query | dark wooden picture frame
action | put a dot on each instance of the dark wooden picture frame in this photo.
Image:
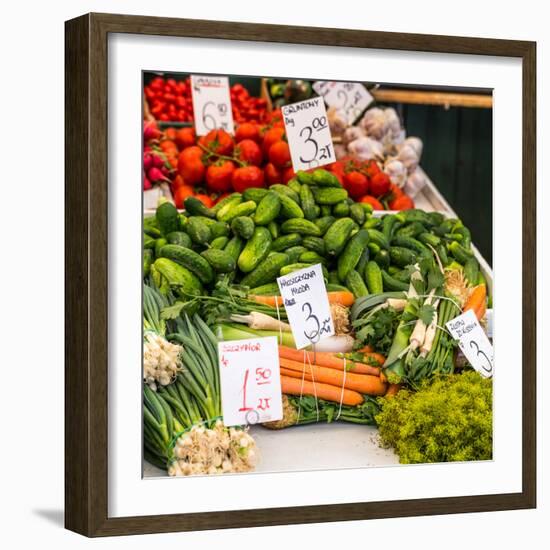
(86, 282)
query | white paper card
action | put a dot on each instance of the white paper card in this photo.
(307, 307)
(250, 381)
(211, 104)
(308, 134)
(350, 97)
(473, 342)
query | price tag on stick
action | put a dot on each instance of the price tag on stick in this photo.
(250, 381)
(308, 134)
(350, 97)
(211, 104)
(473, 342)
(307, 307)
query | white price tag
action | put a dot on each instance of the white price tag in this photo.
(350, 97)
(307, 307)
(250, 381)
(473, 342)
(211, 104)
(308, 134)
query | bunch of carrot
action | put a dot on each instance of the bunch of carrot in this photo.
(341, 297)
(330, 377)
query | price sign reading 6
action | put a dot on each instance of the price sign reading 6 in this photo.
(211, 104)
(308, 134)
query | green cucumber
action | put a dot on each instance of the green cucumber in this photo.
(295, 185)
(365, 256)
(196, 207)
(305, 177)
(286, 191)
(316, 244)
(324, 223)
(402, 257)
(372, 223)
(373, 278)
(181, 280)
(294, 252)
(243, 226)
(329, 195)
(220, 260)
(308, 203)
(255, 250)
(382, 258)
(286, 241)
(471, 271)
(411, 230)
(268, 209)
(198, 231)
(337, 236)
(269, 289)
(324, 210)
(267, 271)
(324, 178)
(230, 203)
(357, 214)
(412, 244)
(243, 209)
(311, 257)
(219, 242)
(255, 194)
(159, 243)
(179, 237)
(429, 239)
(391, 283)
(461, 254)
(289, 208)
(301, 226)
(226, 200)
(356, 285)
(340, 210)
(148, 242)
(273, 229)
(234, 247)
(189, 259)
(147, 261)
(167, 218)
(353, 250)
(377, 237)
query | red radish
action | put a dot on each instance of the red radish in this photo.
(158, 161)
(147, 161)
(146, 183)
(150, 131)
(154, 174)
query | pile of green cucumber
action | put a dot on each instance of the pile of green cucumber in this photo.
(254, 237)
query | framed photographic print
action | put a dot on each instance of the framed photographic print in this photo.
(294, 259)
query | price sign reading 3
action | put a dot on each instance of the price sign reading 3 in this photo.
(308, 134)
(211, 104)
(306, 303)
(473, 342)
(350, 97)
(250, 381)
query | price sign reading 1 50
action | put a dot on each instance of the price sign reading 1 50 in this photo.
(308, 134)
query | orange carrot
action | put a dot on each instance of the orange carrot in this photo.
(325, 359)
(340, 297)
(477, 301)
(363, 383)
(366, 349)
(295, 386)
(392, 390)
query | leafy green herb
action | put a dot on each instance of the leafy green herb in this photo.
(378, 330)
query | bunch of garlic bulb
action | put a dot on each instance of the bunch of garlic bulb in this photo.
(217, 450)
(415, 181)
(366, 148)
(397, 171)
(337, 121)
(161, 360)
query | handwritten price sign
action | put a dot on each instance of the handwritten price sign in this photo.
(350, 97)
(211, 104)
(306, 303)
(473, 342)
(308, 134)
(250, 381)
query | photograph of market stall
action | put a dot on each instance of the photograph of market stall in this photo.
(311, 298)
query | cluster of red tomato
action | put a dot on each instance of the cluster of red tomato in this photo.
(366, 182)
(213, 165)
(170, 100)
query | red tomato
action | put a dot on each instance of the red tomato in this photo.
(272, 174)
(247, 176)
(356, 184)
(218, 141)
(190, 165)
(181, 194)
(396, 191)
(218, 176)
(380, 184)
(288, 174)
(270, 137)
(185, 137)
(205, 199)
(371, 167)
(248, 151)
(279, 154)
(170, 133)
(402, 203)
(168, 146)
(376, 204)
(247, 130)
(177, 182)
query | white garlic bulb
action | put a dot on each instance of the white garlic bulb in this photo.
(366, 148)
(415, 182)
(396, 171)
(374, 123)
